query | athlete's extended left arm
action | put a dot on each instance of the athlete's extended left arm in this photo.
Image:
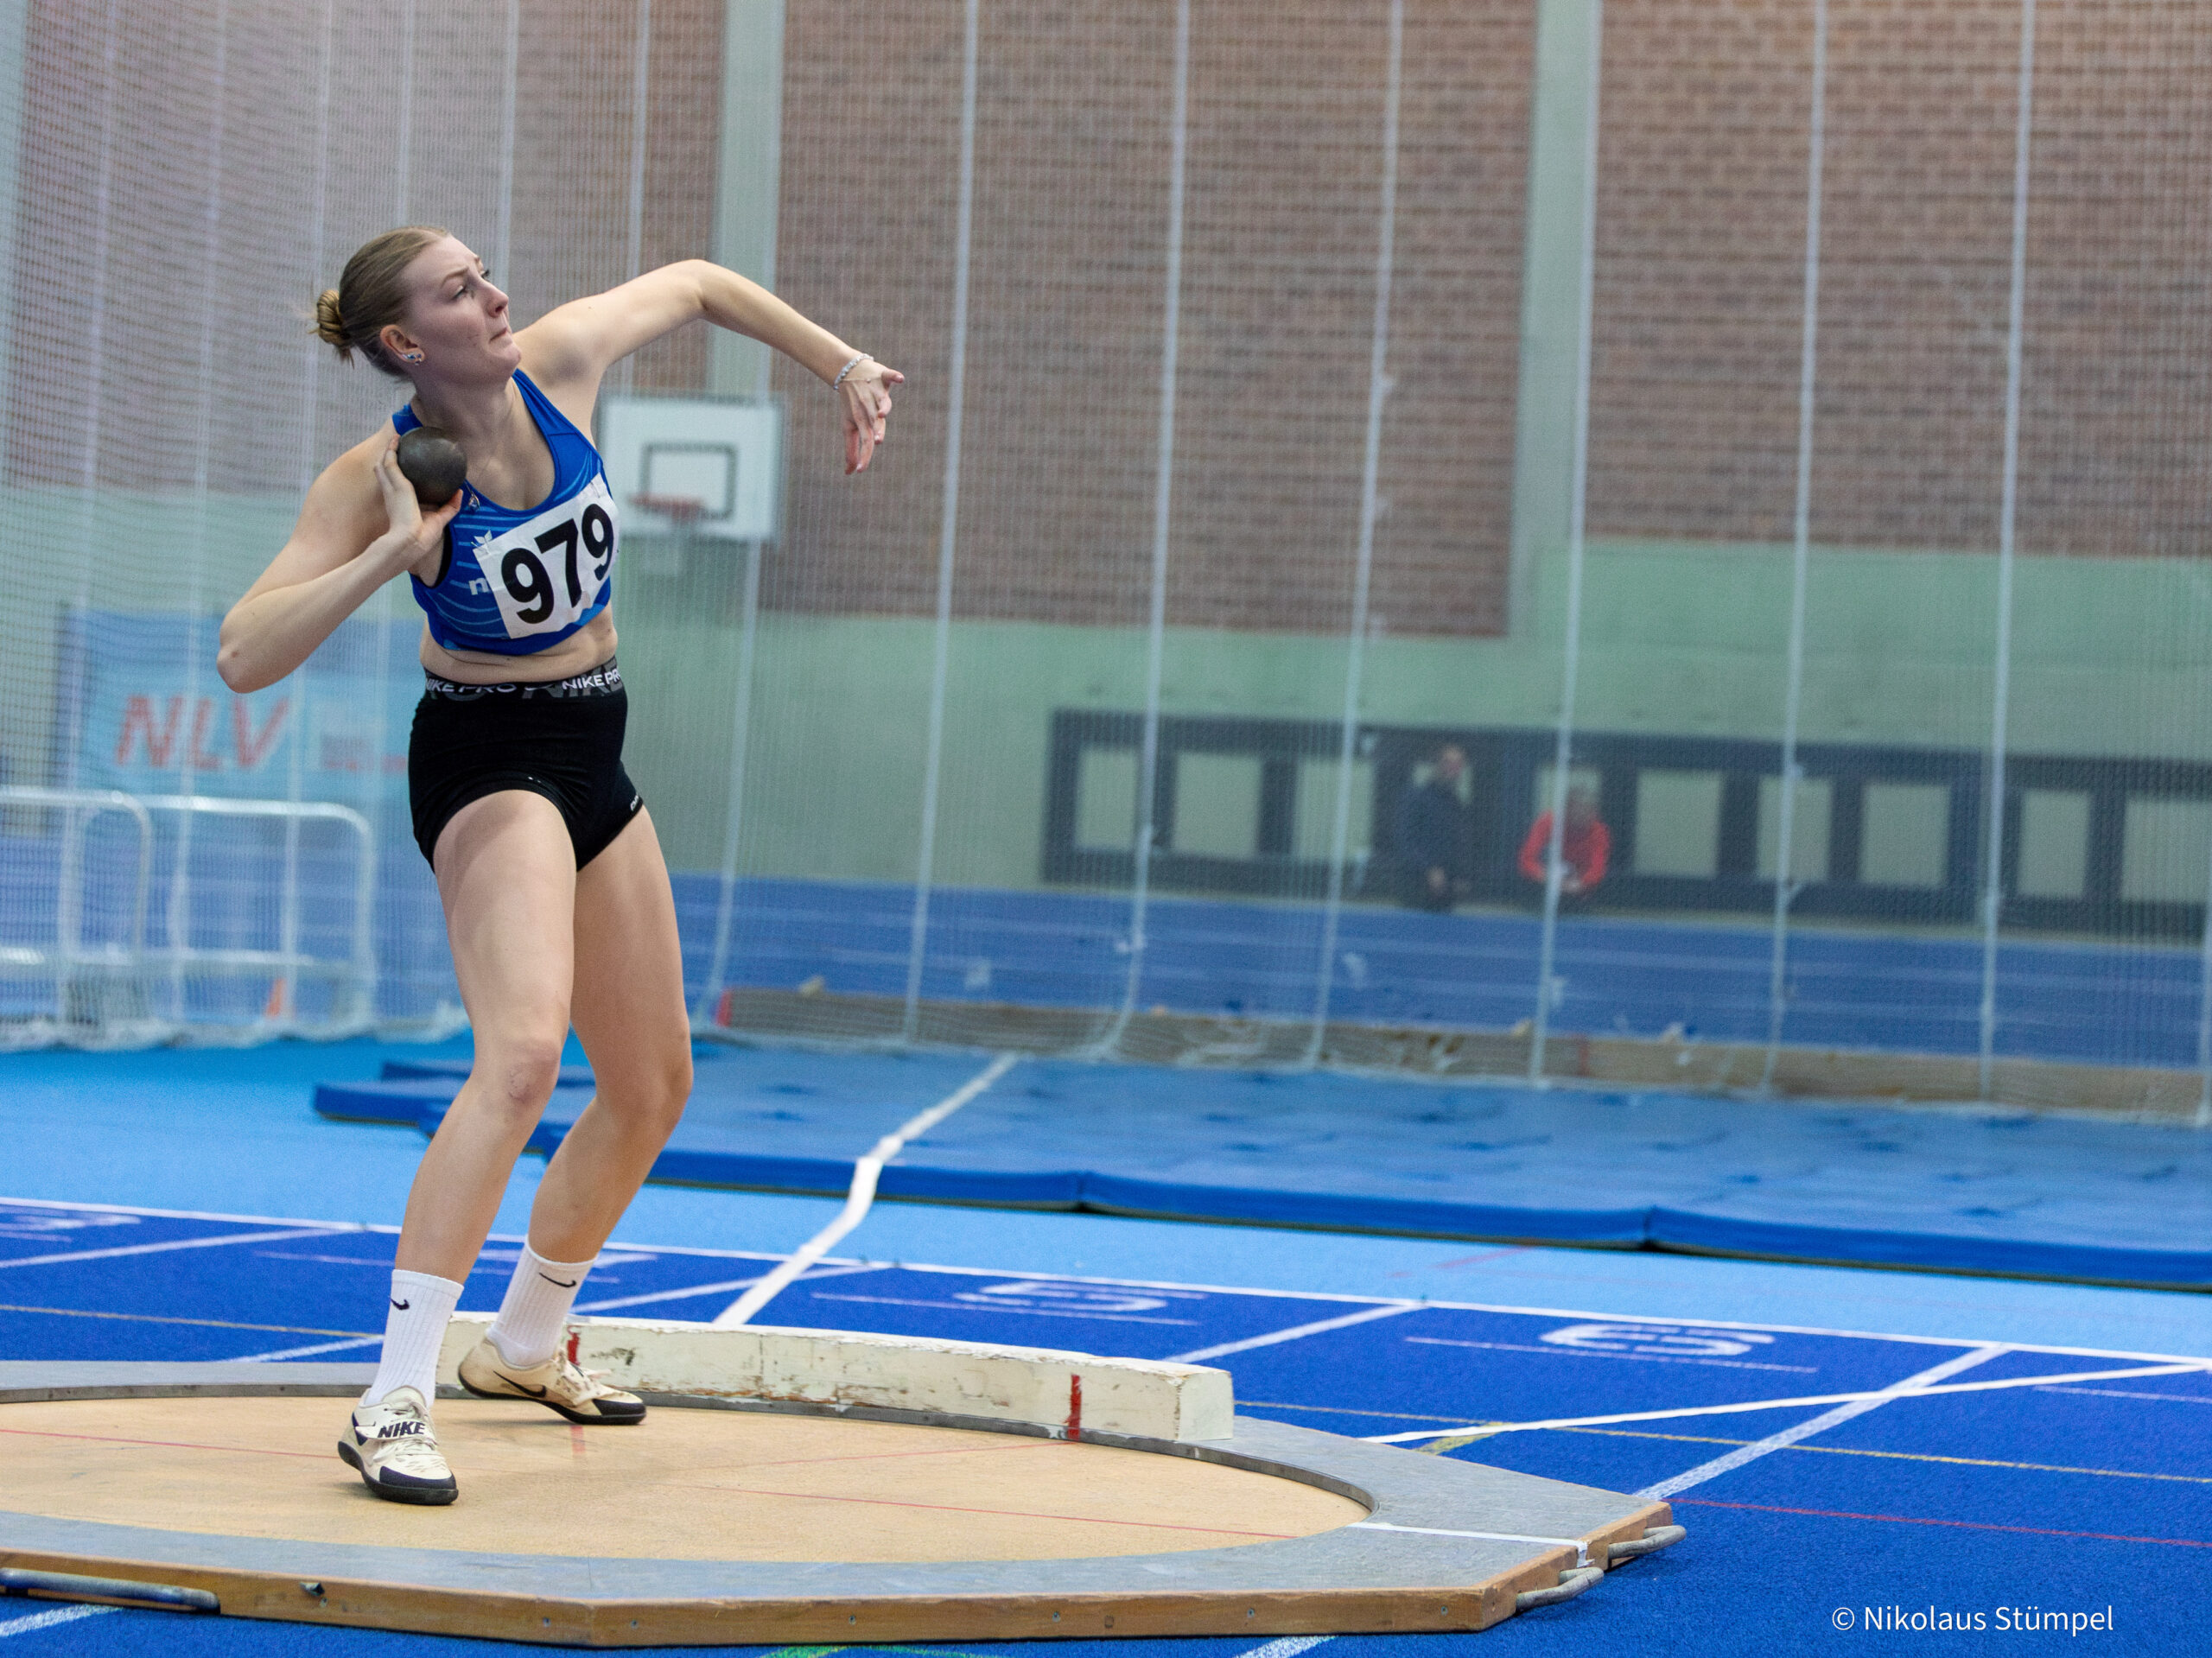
(578, 342)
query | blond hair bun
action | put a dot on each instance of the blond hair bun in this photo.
(330, 324)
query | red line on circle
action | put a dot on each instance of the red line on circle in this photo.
(1010, 1514)
(172, 1445)
(1022, 1444)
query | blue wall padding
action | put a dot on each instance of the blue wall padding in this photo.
(391, 1100)
(1972, 1191)
(2041, 1257)
(456, 1071)
(2109, 1003)
(1360, 1212)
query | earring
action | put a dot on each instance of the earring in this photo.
(413, 356)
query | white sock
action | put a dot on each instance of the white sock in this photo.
(533, 1316)
(414, 1329)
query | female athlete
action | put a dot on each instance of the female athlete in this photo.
(557, 900)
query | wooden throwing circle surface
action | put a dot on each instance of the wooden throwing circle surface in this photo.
(687, 1485)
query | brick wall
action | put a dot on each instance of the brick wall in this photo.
(1065, 348)
(1701, 266)
(1699, 309)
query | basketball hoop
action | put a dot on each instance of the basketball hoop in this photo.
(682, 510)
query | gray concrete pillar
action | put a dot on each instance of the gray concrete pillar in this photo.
(752, 169)
(1551, 314)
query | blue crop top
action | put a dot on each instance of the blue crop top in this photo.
(517, 582)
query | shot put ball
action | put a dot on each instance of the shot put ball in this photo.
(433, 464)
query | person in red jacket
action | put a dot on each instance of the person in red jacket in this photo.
(1584, 848)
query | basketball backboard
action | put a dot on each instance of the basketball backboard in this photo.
(664, 454)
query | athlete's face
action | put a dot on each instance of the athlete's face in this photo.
(455, 317)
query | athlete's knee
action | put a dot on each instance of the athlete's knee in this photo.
(672, 1087)
(652, 1094)
(678, 1083)
(518, 1072)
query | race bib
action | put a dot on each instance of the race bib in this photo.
(547, 574)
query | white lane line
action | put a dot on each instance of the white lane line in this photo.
(1581, 1549)
(39, 1621)
(586, 1307)
(163, 1249)
(1729, 1462)
(2129, 1393)
(862, 1195)
(1632, 1359)
(1366, 1315)
(1289, 1647)
(141, 1210)
(306, 1352)
(2196, 1367)
(615, 1302)
(1002, 1308)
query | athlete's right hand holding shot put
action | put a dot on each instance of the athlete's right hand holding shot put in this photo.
(556, 900)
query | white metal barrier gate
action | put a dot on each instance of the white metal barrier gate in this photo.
(95, 982)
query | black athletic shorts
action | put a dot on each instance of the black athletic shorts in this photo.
(561, 739)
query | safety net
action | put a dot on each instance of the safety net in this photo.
(1648, 542)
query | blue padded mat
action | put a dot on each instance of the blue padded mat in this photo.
(456, 1071)
(1972, 1191)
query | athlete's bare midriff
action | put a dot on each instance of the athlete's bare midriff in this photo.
(581, 652)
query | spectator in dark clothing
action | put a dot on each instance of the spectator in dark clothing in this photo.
(1432, 836)
(1584, 848)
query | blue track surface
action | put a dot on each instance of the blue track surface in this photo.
(2084, 1485)
(2066, 1497)
(1962, 1191)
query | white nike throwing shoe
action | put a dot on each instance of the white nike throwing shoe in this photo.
(556, 1383)
(392, 1446)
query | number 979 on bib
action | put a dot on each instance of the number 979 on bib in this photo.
(549, 572)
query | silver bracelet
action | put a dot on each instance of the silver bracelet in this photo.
(848, 369)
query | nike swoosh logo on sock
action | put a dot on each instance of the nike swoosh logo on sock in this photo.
(564, 1283)
(403, 1305)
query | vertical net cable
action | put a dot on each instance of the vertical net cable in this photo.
(383, 628)
(181, 883)
(311, 351)
(96, 356)
(1785, 876)
(2203, 1118)
(72, 873)
(1578, 510)
(640, 113)
(402, 176)
(1378, 390)
(1147, 829)
(502, 225)
(717, 975)
(948, 527)
(1992, 901)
